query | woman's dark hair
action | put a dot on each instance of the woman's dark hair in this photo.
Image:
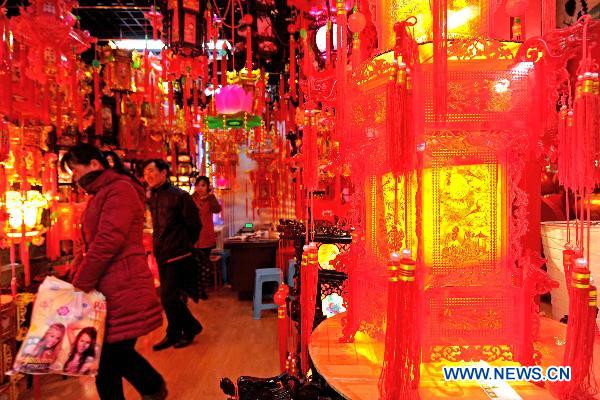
(115, 162)
(204, 179)
(89, 352)
(83, 154)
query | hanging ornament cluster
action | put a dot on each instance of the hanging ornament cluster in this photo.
(41, 73)
(183, 20)
(579, 172)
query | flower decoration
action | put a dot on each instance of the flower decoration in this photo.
(233, 99)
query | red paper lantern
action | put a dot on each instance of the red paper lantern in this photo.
(357, 22)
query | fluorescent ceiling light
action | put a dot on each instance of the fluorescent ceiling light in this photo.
(137, 44)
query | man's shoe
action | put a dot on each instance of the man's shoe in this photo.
(197, 330)
(164, 344)
(183, 342)
(160, 395)
(188, 339)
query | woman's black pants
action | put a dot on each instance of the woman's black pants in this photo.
(120, 360)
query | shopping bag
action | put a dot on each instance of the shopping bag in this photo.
(66, 331)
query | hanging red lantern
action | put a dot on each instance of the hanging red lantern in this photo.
(184, 21)
(357, 22)
(156, 21)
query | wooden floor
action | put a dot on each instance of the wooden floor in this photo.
(232, 344)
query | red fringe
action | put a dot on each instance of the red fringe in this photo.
(224, 70)
(309, 276)
(24, 251)
(282, 323)
(146, 74)
(292, 82)
(171, 101)
(581, 331)
(401, 365)
(440, 59)
(249, 51)
(579, 141)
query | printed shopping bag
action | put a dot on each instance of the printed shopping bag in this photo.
(66, 331)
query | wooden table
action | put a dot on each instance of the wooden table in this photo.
(247, 256)
(353, 369)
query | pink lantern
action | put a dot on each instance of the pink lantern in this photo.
(233, 99)
(222, 182)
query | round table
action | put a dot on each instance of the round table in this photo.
(353, 369)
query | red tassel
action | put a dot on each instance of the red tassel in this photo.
(46, 103)
(578, 132)
(118, 101)
(97, 102)
(309, 152)
(3, 43)
(203, 90)
(108, 74)
(186, 97)
(282, 323)
(440, 59)
(152, 82)
(204, 79)
(13, 264)
(173, 160)
(249, 50)
(215, 65)
(146, 74)
(171, 112)
(581, 330)
(309, 277)
(195, 99)
(58, 113)
(24, 251)
(224, 69)
(292, 83)
(401, 365)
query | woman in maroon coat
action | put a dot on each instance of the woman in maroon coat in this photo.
(114, 263)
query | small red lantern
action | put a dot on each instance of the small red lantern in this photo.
(357, 22)
(183, 26)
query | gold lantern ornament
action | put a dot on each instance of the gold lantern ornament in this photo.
(24, 216)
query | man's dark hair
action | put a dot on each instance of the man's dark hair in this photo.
(159, 163)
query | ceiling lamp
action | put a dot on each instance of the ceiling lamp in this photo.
(137, 44)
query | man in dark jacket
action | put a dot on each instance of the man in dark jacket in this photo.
(176, 227)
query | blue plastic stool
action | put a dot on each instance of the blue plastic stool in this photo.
(224, 253)
(264, 275)
(291, 271)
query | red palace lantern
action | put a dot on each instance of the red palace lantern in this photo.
(183, 25)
